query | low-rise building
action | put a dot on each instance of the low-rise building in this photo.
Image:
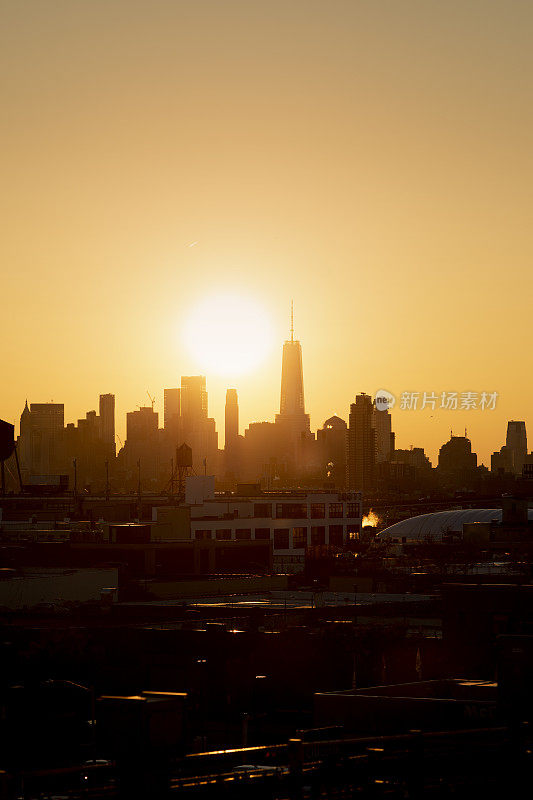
(292, 521)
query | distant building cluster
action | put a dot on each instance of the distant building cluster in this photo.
(358, 455)
(46, 447)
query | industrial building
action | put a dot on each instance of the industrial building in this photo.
(291, 520)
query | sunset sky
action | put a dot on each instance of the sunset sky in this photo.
(370, 160)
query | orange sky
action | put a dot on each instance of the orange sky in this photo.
(371, 160)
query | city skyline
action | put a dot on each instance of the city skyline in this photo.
(400, 409)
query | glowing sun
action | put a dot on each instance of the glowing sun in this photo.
(228, 334)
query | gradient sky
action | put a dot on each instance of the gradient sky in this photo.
(371, 160)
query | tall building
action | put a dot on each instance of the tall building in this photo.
(141, 425)
(292, 422)
(142, 448)
(48, 417)
(292, 404)
(196, 429)
(172, 408)
(24, 445)
(193, 398)
(516, 436)
(41, 438)
(263, 454)
(415, 457)
(231, 433)
(85, 444)
(361, 444)
(456, 457)
(511, 457)
(332, 444)
(231, 419)
(107, 422)
(382, 424)
(516, 442)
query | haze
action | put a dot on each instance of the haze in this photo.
(370, 160)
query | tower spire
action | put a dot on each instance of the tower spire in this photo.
(292, 321)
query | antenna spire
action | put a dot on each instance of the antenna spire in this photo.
(292, 321)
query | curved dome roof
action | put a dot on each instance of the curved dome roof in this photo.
(334, 422)
(434, 526)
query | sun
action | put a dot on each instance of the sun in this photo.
(228, 334)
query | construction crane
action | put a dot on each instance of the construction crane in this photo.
(151, 398)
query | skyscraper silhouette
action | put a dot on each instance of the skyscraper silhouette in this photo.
(193, 397)
(107, 423)
(171, 409)
(41, 432)
(332, 442)
(197, 430)
(361, 444)
(456, 456)
(516, 442)
(382, 424)
(231, 430)
(292, 405)
(510, 458)
(292, 426)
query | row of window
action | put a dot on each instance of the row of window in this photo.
(299, 510)
(282, 535)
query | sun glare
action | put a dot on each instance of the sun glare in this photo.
(228, 334)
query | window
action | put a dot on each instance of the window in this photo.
(352, 510)
(291, 511)
(352, 533)
(335, 510)
(223, 533)
(281, 539)
(318, 535)
(262, 533)
(318, 510)
(299, 537)
(243, 533)
(263, 510)
(202, 535)
(335, 535)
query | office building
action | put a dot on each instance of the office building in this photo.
(107, 423)
(172, 407)
(141, 425)
(292, 405)
(332, 444)
(172, 419)
(40, 442)
(292, 423)
(292, 521)
(141, 454)
(516, 439)
(362, 444)
(196, 429)
(382, 424)
(193, 400)
(456, 457)
(231, 433)
(231, 419)
(512, 456)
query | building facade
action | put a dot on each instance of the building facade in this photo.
(292, 521)
(361, 444)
